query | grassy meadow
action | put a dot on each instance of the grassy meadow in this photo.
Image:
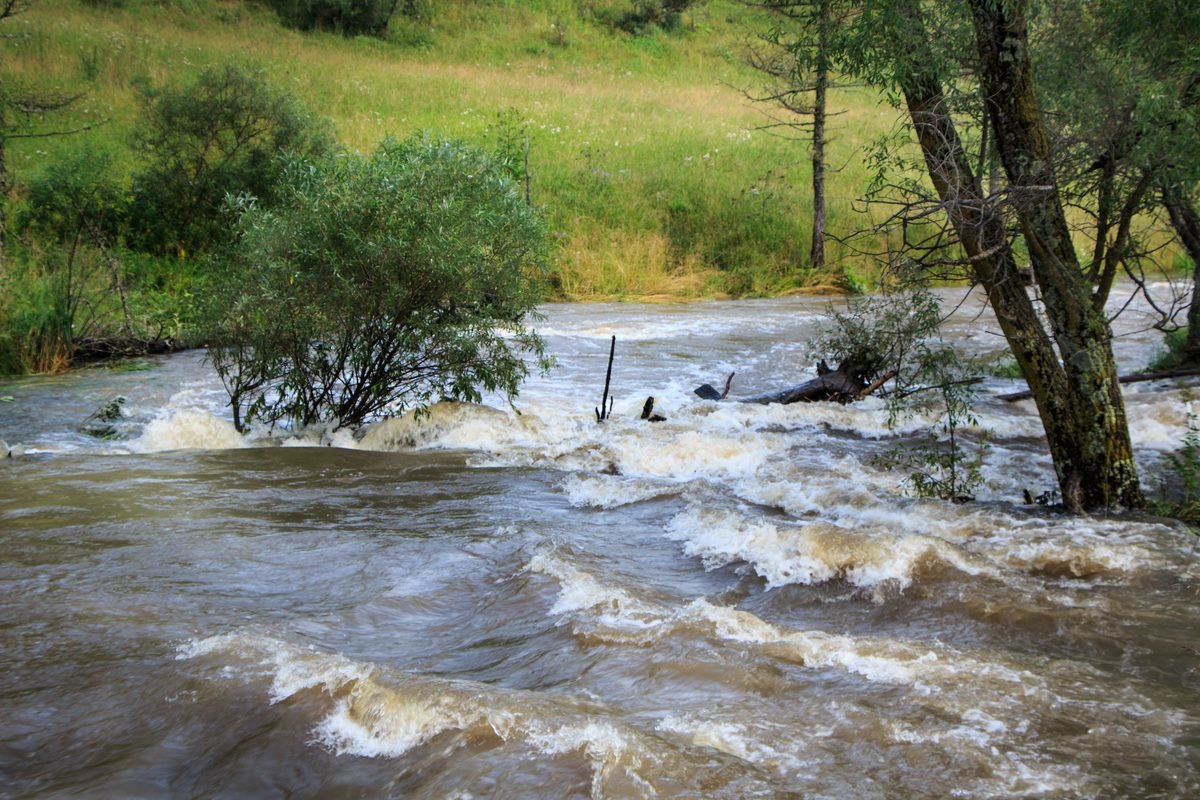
(653, 168)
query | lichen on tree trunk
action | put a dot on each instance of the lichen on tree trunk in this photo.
(1069, 368)
(1095, 464)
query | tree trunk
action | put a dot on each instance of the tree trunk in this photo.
(816, 253)
(983, 236)
(1187, 226)
(1096, 470)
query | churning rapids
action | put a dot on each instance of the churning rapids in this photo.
(484, 604)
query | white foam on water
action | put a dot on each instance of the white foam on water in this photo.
(603, 491)
(580, 591)
(291, 669)
(188, 429)
(1080, 557)
(877, 660)
(448, 425)
(320, 436)
(786, 553)
(601, 740)
(1112, 549)
(1159, 420)
(378, 715)
(625, 616)
(733, 738)
(384, 722)
(371, 719)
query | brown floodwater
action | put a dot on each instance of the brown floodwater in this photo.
(737, 602)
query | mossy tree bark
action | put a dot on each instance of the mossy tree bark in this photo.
(1069, 368)
(1090, 441)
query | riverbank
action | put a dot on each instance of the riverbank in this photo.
(653, 168)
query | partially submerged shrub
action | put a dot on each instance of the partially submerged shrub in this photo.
(377, 284)
(1176, 354)
(1179, 481)
(877, 334)
(898, 333)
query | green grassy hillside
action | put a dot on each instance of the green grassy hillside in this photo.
(651, 165)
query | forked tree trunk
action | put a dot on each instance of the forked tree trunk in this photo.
(1095, 456)
(1084, 483)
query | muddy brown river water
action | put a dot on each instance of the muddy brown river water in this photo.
(733, 603)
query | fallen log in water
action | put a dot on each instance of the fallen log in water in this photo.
(843, 385)
(1137, 377)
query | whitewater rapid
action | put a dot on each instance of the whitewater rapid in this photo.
(518, 601)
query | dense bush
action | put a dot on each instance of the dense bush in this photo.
(377, 284)
(79, 196)
(221, 135)
(665, 14)
(74, 215)
(348, 17)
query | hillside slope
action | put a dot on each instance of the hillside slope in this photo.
(649, 161)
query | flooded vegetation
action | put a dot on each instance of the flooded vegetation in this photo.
(735, 602)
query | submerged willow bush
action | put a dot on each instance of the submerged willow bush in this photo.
(377, 284)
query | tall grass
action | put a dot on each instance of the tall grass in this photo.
(650, 163)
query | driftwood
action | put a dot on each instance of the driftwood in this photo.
(878, 382)
(1137, 377)
(605, 409)
(102, 348)
(648, 411)
(843, 385)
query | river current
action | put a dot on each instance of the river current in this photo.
(519, 602)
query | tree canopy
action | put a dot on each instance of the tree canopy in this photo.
(377, 284)
(221, 134)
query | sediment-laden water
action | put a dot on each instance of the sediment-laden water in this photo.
(736, 602)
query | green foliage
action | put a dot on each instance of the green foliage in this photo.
(34, 332)
(378, 284)
(665, 14)
(945, 466)
(510, 140)
(897, 332)
(103, 421)
(347, 17)
(76, 208)
(652, 105)
(1176, 354)
(1179, 483)
(220, 135)
(881, 333)
(79, 196)
(1005, 366)
(851, 282)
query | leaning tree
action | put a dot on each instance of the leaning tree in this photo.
(942, 62)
